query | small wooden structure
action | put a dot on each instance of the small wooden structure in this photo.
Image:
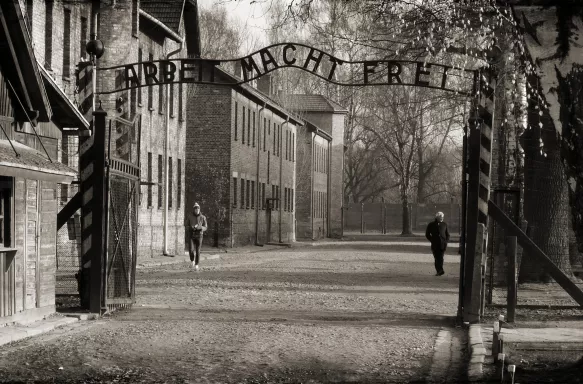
(29, 174)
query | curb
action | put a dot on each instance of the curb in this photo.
(478, 353)
(16, 333)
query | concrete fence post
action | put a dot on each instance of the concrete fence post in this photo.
(511, 246)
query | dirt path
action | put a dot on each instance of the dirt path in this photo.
(327, 315)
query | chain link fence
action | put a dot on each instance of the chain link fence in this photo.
(68, 251)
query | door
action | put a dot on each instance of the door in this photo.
(32, 244)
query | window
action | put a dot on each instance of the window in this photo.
(135, 18)
(234, 192)
(180, 113)
(150, 179)
(280, 140)
(236, 119)
(67, 44)
(243, 127)
(253, 128)
(292, 200)
(249, 127)
(242, 193)
(140, 58)
(161, 108)
(179, 186)
(264, 133)
(150, 88)
(171, 106)
(277, 189)
(29, 16)
(273, 195)
(293, 150)
(83, 50)
(262, 195)
(160, 181)
(252, 194)
(5, 210)
(247, 200)
(286, 144)
(274, 138)
(170, 182)
(285, 199)
(48, 34)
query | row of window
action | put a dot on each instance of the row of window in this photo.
(249, 137)
(244, 195)
(161, 182)
(319, 207)
(136, 93)
(320, 158)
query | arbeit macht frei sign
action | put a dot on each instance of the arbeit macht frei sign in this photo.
(292, 55)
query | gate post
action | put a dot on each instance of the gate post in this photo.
(92, 174)
(479, 166)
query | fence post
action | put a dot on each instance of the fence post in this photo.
(361, 217)
(511, 242)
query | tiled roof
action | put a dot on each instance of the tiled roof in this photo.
(311, 103)
(168, 12)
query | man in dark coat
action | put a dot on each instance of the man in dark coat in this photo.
(438, 235)
(196, 226)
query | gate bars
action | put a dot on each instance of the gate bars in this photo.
(109, 187)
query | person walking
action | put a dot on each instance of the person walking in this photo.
(196, 226)
(438, 236)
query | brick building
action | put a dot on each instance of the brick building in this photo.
(241, 164)
(132, 31)
(320, 165)
(34, 115)
(147, 30)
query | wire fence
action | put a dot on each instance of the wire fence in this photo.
(68, 250)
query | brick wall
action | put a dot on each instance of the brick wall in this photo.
(221, 148)
(207, 160)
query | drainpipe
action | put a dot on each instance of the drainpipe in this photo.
(313, 140)
(281, 175)
(166, 150)
(257, 190)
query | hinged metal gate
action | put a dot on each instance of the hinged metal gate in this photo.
(123, 180)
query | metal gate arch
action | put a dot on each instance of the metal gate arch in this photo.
(109, 199)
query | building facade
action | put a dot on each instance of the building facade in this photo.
(35, 112)
(148, 122)
(241, 164)
(320, 165)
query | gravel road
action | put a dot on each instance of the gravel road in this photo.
(334, 314)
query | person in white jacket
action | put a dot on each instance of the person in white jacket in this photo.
(196, 226)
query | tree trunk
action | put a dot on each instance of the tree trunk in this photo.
(407, 230)
(545, 196)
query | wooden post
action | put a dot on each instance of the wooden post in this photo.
(512, 277)
(479, 167)
(383, 215)
(94, 202)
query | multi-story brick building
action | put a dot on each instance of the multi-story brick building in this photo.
(320, 165)
(150, 121)
(241, 164)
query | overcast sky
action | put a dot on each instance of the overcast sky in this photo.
(250, 12)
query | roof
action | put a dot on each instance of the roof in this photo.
(65, 113)
(32, 164)
(19, 64)
(168, 12)
(312, 103)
